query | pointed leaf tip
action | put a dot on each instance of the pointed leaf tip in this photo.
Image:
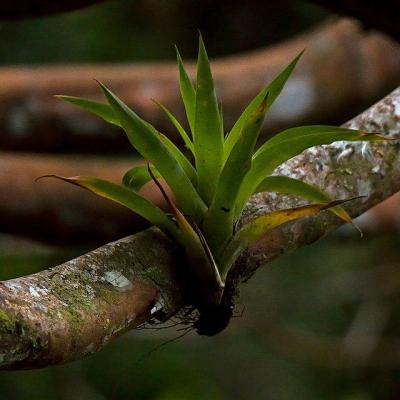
(102, 110)
(126, 198)
(199, 34)
(178, 55)
(185, 137)
(188, 93)
(274, 88)
(208, 138)
(202, 46)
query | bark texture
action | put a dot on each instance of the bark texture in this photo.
(74, 309)
(369, 65)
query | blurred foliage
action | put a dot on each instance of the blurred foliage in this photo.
(318, 289)
(125, 30)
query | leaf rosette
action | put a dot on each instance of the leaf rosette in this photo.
(221, 172)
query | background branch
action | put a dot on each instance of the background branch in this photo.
(371, 63)
(31, 119)
(371, 14)
(74, 309)
(71, 215)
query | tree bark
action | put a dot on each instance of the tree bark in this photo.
(74, 309)
(369, 65)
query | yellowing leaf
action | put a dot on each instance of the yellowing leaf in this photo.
(258, 227)
(199, 255)
(284, 184)
(288, 144)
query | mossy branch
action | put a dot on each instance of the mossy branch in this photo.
(74, 309)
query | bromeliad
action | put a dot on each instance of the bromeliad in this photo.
(211, 192)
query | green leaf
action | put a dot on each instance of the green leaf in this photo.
(273, 90)
(208, 136)
(178, 126)
(127, 198)
(188, 92)
(106, 112)
(288, 144)
(100, 109)
(150, 144)
(218, 224)
(138, 176)
(221, 117)
(258, 227)
(284, 184)
(181, 158)
(200, 258)
(310, 132)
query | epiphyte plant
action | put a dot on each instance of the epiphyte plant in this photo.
(211, 191)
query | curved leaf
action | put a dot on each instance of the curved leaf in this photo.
(152, 146)
(197, 251)
(178, 126)
(125, 197)
(102, 110)
(258, 227)
(284, 184)
(313, 132)
(181, 158)
(138, 176)
(106, 112)
(273, 89)
(288, 144)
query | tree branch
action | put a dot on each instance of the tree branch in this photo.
(369, 63)
(74, 309)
